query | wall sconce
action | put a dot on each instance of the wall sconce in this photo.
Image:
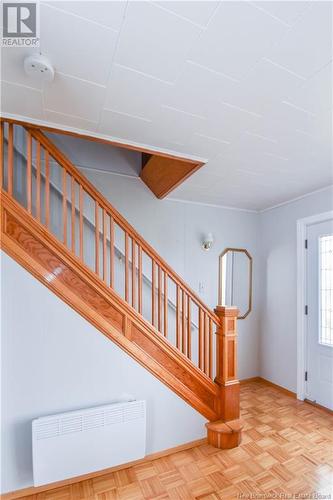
(207, 242)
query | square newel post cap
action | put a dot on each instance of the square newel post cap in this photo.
(227, 311)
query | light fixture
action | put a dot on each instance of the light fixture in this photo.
(39, 67)
(207, 242)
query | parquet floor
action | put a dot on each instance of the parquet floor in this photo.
(286, 452)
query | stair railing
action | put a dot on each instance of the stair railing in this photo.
(75, 193)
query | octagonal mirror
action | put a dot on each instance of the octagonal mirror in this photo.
(235, 280)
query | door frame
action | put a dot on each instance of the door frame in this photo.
(302, 225)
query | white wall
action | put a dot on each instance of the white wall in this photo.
(53, 360)
(278, 298)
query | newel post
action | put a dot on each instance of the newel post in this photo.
(226, 432)
(226, 362)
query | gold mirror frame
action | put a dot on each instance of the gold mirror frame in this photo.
(240, 250)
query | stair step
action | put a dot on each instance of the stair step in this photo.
(224, 435)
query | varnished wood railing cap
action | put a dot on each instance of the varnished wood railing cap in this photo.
(226, 311)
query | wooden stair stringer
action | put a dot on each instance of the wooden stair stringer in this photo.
(48, 260)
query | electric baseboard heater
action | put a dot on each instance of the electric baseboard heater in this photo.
(79, 442)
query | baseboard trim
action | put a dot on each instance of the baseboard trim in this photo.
(318, 406)
(248, 380)
(31, 490)
(270, 384)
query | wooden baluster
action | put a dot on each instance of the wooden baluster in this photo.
(140, 278)
(184, 322)
(111, 252)
(81, 220)
(10, 169)
(104, 246)
(133, 273)
(97, 238)
(159, 305)
(153, 286)
(47, 189)
(29, 170)
(200, 339)
(1, 156)
(165, 330)
(206, 344)
(64, 203)
(126, 267)
(177, 318)
(189, 330)
(210, 372)
(38, 183)
(73, 215)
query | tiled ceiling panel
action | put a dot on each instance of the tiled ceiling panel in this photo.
(155, 41)
(236, 38)
(245, 86)
(110, 14)
(77, 46)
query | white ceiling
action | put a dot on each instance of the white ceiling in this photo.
(245, 85)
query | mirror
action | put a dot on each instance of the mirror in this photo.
(235, 282)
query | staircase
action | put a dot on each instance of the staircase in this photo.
(64, 232)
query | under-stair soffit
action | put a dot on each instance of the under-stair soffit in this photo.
(245, 85)
(161, 172)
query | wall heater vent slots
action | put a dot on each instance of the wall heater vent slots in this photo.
(75, 443)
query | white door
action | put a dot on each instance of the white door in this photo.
(319, 310)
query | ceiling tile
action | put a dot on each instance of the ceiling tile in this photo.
(238, 35)
(308, 46)
(12, 69)
(76, 46)
(132, 92)
(174, 125)
(227, 123)
(110, 13)
(196, 90)
(287, 12)
(158, 44)
(262, 88)
(197, 12)
(69, 120)
(130, 128)
(21, 101)
(74, 97)
(314, 95)
(206, 146)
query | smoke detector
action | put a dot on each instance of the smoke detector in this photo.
(39, 67)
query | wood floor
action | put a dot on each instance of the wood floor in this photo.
(287, 450)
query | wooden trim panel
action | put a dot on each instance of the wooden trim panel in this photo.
(49, 261)
(162, 175)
